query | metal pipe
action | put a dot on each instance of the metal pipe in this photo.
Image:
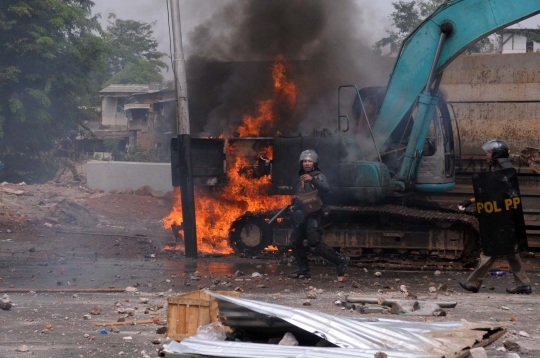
(278, 214)
(184, 140)
(435, 61)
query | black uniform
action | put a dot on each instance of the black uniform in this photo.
(311, 228)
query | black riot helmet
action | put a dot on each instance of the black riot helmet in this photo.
(498, 148)
(72, 134)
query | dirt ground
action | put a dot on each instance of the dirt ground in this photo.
(70, 238)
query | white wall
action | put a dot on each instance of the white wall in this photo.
(109, 176)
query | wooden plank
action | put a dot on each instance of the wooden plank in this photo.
(188, 301)
(182, 325)
(102, 324)
(23, 290)
(192, 319)
(172, 320)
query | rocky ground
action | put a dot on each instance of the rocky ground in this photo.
(70, 239)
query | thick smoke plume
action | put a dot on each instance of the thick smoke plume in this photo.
(230, 68)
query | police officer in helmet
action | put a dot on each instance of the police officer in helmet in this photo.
(497, 153)
(309, 209)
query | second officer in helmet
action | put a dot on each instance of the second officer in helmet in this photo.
(309, 209)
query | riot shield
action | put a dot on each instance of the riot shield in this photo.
(500, 213)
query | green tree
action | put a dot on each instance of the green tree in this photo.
(407, 16)
(140, 71)
(130, 41)
(48, 49)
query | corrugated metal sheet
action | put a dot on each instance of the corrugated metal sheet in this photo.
(194, 345)
(359, 337)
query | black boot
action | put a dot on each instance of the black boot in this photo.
(300, 255)
(303, 272)
(328, 253)
(342, 266)
(525, 290)
(469, 287)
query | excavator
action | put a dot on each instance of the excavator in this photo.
(395, 150)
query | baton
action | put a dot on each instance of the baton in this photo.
(278, 214)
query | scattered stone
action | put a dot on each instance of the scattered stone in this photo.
(311, 294)
(262, 286)
(437, 273)
(86, 335)
(121, 310)
(256, 274)
(239, 289)
(380, 355)
(114, 329)
(127, 339)
(96, 310)
(524, 334)
(403, 288)
(239, 273)
(378, 274)
(21, 349)
(144, 300)
(355, 284)
(161, 330)
(306, 303)
(75, 296)
(432, 290)
(439, 312)
(288, 340)
(511, 346)
(277, 296)
(512, 355)
(365, 270)
(131, 289)
(442, 288)
(87, 317)
(479, 352)
(157, 341)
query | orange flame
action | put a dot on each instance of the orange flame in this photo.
(269, 111)
(216, 208)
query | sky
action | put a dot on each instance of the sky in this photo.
(374, 21)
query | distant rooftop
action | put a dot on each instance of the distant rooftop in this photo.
(125, 89)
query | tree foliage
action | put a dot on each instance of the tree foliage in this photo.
(407, 16)
(139, 71)
(132, 42)
(49, 48)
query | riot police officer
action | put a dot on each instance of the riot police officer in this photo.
(497, 152)
(309, 209)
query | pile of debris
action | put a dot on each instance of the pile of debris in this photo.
(250, 328)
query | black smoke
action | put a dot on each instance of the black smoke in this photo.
(232, 53)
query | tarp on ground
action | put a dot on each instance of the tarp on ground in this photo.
(353, 337)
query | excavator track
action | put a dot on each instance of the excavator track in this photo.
(388, 236)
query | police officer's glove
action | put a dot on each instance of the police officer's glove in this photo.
(464, 204)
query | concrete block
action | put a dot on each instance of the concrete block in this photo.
(109, 176)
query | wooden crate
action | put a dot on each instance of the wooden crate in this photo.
(190, 310)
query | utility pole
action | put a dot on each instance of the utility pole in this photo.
(183, 132)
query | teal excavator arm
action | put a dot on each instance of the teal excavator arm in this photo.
(449, 31)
